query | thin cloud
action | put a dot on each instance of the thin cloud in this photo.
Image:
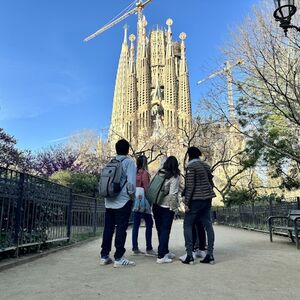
(59, 139)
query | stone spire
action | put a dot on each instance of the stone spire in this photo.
(140, 40)
(144, 85)
(184, 98)
(170, 89)
(119, 102)
(131, 104)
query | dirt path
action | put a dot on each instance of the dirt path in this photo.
(247, 266)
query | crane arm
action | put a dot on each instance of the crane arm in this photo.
(111, 24)
(227, 70)
(211, 76)
(139, 6)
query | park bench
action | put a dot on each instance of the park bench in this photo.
(290, 223)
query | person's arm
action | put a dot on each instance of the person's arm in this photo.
(189, 185)
(131, 178)
(173, 193)
(174, 186)
(209, 175)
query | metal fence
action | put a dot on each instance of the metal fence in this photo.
(34, 211)
(255, 216)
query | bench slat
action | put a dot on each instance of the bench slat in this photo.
(283, 227)
(294, 212)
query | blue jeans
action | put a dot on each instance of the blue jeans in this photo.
(163, 220)
(137, 216)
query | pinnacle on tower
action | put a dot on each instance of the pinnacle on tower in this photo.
(169, 40)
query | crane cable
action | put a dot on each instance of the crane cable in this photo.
(119, 14)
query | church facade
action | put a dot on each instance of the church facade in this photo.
(152, 92)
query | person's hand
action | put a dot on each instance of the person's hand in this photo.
(131, 196)
(186, 209)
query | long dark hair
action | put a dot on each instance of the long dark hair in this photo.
(141, 162)
(171, 167)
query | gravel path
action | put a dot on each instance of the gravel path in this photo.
(247, 266)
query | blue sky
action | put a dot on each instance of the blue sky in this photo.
(52, 84)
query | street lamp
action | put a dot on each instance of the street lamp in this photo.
(284, 10)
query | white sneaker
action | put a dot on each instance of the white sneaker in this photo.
(123, 262)
(183, 257)
(164, 260)
(200, 253)
(105, 261)
(171, 255)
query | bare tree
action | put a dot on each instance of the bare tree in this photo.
(224, 149)
(268, 87)
(92, 151)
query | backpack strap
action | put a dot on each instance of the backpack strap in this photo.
(121, 161)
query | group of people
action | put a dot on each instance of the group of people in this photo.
(197, 194)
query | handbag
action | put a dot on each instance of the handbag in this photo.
(140, 202)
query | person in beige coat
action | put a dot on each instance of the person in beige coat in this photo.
(164, 212)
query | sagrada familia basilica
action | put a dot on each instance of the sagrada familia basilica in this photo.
(152, 92)
(152, 99)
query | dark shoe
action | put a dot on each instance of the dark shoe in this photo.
(208, 259)
(137, 252)
(151, 253)
(188, 261)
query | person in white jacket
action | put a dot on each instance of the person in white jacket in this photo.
(164, 212)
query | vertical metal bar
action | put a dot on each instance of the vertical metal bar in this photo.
(296, 234)
(270, 206)
(70, 215)
(298, 202)
(95, 217)
(18, 212)
(253, 214)
(240, 215)
(270, 229)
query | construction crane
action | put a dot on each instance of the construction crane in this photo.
(139, 6)
(228, 72)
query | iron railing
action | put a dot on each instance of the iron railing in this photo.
(34, 211)
(255, 215)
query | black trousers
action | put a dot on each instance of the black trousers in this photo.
(199, 236)
(115, 219)
(163, 221)
(200, 210)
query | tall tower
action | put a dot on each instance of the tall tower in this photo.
(171, 90)
(119, 103)
(144, 85)
(152, 92)
(131, 101)
(184, 98)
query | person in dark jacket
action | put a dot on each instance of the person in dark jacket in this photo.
(198, 199)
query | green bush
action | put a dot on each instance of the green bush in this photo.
(239, 197)
(80, 183)
(244, 196)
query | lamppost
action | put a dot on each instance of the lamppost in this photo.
(284, 10)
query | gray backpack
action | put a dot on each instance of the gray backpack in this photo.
(109, 183)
